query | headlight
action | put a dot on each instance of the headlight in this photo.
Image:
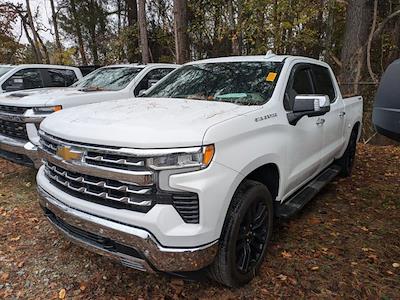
(199, 157)
(47, 109)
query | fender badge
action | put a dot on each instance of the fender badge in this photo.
(266, 117)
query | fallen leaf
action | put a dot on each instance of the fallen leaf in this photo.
(5, 276)
(62, 293)
(82, 286)
(286, 254)
(14, 239)
(282, 277)
(20, 264)
(314, 221)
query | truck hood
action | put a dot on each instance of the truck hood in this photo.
(142, 122)
(46, 97)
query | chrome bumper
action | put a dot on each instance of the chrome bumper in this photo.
(14, 150)
(151, 255)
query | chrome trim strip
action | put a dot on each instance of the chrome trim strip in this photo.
(119, 161)
(20, 118)
(103, 184)
(140, 178)
(85, 190)
(162, 258)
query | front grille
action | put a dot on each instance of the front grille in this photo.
(114, 193)
(105, 191)
(13, 129)
(13, 109)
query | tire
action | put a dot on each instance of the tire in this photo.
(346, 162)
(245, 235)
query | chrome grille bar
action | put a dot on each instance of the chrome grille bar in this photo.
(62, 177)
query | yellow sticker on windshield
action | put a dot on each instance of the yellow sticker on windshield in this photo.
(271, 76)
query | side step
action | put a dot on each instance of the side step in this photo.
(296, 202)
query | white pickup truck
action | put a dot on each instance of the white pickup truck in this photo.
(191, 176)
(34, 76)
(21, 112)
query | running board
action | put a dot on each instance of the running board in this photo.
(296, 202)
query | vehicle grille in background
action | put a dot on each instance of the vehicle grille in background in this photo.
(103, 191)
(13, 109)
(13, 129)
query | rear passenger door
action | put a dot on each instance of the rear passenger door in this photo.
(151, 78)
(334, 120)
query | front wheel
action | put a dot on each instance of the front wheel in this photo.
(245, 235)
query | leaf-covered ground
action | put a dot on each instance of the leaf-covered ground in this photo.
(345, 244)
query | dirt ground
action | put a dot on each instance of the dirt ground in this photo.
(345, 244)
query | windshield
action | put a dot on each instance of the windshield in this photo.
(246, 83)
(108, 79)
(4, 70)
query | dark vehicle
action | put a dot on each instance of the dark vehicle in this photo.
(386, 114)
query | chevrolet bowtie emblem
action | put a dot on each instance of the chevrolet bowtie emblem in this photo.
(67, 154)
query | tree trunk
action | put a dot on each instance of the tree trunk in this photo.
(232, 26)
(180, 28)
(144, 42)
(30, 40)
(353, 56)
(34, 32)
(55, 25)
(132, 43)
(92, 7)
(78, 32)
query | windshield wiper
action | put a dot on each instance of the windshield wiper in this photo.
(92, 89)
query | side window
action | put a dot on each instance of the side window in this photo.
(323, 82)
(60, 77)
(300, 83)
(151, 78)
(24, 79)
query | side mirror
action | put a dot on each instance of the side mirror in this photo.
(152, 82)
(309, 105)
(142, 93)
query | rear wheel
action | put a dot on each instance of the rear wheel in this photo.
(246, 232)
(346, 162)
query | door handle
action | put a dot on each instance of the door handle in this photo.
(342, 114)
(320, 122)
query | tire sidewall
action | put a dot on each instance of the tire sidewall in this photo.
(255, 193)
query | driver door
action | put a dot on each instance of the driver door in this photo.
(306, 137)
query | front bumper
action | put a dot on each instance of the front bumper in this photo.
(19, 151)
(133, 247)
